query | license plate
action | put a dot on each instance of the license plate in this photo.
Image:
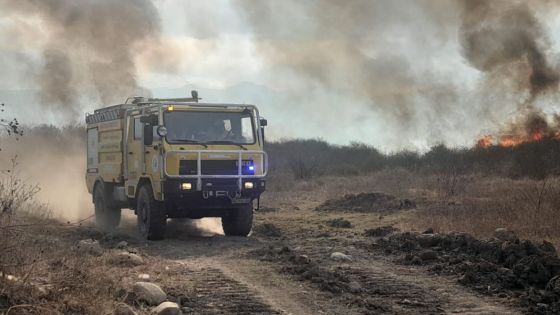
(240, 200)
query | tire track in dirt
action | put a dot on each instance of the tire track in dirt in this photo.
(209, 291)
(224, 275)
(247, 287)
(454, 298)
(377, 286)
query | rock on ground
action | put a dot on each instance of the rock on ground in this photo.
(427, 255)
(167, 308)
(338, 256)
(268, 229)
(126, 259)
(144, 276)
(380, 231)
(504, 234)
(149, 293)
(91, 247)
(339, 223)
(124, 309)
(121, 245)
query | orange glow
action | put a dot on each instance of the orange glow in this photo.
(509, 141)
(485, 142)
(536, 136)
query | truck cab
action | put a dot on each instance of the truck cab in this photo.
(176, 158)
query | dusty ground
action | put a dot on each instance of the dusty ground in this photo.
(285, 266)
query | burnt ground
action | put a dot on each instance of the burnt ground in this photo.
(287, 266)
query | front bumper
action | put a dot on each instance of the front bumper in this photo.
(199, 180)
(215, 194)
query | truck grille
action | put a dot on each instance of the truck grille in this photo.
(213, 167)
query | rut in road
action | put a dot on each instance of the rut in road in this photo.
(421, 289)
(221, 275)
(209, 291)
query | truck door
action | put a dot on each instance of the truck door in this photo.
(134, 154)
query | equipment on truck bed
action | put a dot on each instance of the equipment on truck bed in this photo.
(176, 158)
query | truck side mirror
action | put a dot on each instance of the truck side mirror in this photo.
(149, 119)
(264, 122)
(148, 134)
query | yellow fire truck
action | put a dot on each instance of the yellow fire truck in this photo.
(176, 158)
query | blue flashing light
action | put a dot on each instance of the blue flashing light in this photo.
(251, 168)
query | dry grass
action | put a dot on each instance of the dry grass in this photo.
(475, 204)
(39, 272)
(70, 284)
(528, 207)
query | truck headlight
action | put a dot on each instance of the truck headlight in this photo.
(161, 131)
(249, 185)
(186, 186)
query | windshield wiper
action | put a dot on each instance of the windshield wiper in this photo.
(192, 141)
(226, 142)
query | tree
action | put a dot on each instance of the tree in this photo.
(11, 127)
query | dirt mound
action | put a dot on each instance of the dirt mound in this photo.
(514, 268)
(339, 223)
(366, 202)
(380, 231)
(268, 229)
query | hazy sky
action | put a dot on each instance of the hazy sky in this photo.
(389, 73)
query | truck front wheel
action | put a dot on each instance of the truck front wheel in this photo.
(106, 218)
(152, 218)
(238, 221)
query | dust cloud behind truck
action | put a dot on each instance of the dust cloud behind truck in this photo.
(175, 158)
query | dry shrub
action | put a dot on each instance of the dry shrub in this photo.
(305, 168)
(39, 273)
(15, 196)
(528, 207)
(65, 282)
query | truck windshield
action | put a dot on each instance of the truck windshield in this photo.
(209, 127)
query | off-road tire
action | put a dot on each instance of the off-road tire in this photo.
(238, 221)
(107, 218)
(151, 214)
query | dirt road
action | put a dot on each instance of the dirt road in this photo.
(286, 267)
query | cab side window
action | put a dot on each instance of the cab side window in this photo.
(137, 129)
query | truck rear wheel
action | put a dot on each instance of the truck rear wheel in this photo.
(106, 218)
(152, 218)
(238, 221)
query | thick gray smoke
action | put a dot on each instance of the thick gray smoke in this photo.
(389, 55)
(88, 47)
(500, 35)
(506, 41)
(355, 49)
(394, 73)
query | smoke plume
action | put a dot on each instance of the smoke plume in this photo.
(353, 49)
(506, 41)
(87, 47)
(389, 56)
(496, 35)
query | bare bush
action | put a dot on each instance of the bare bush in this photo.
(305, 168)
(15, 194)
